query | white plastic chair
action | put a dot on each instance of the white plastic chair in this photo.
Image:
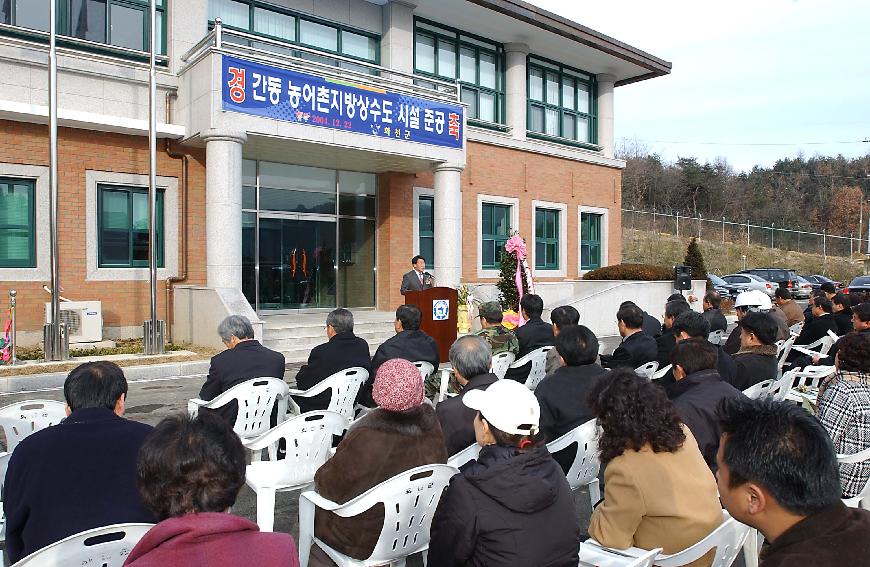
(591, 553)
(90, 547)
(821, 346)
(23, 418)
(752, 547)
(426, 369)
(538, 359)
(470, 453)
(857, 501)
(783, 350)
(501, 362)
(409, 500)
(796, 329)
(444, 385)
(759, 390)
(781, 386)
(308, 439)
(4, 464)
(661, 372)
(715, 337)
(345, 386)
(255, 398)
(584, 469)
(812, 376)
(647, 370)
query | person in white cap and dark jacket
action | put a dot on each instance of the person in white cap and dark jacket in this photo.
(512, 506)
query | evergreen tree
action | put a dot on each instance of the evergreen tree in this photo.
(507, 287)
(695, 260)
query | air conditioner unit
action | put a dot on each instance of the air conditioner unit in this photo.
(84, 320)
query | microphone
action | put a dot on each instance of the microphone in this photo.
(427, 277)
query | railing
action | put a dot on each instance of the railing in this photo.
(377, 76)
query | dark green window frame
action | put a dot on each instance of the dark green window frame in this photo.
(66, 27)
(470, 89)
(566, 112)
(546, 241)
(491, 236)
(427, 231)
(341, 29)
(102, 190)
(26, 224)
(590, 240)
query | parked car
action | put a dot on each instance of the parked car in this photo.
(803, 290)
(782, 276)
(824, 279)
(814, 281)
(724, 288)
(859, 285)
(751, 281)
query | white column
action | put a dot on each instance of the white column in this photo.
(448, 225)
(605, 113)
(223, 207)
(515, 88)
(397, 42)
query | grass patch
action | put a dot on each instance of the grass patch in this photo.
(122, 346)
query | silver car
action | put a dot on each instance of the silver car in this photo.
(751, 281)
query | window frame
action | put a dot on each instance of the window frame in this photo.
(421, 233)
(560, 271)
(456, 36)
(32, 260)
(547, 240)
(161, 226)
(562, 72)
(603, 236)
(497, 239)
(514, 204)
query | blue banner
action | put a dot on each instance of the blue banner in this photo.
(271, 92)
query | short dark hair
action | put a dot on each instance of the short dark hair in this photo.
(695, 355)
(417, 257)
(823, 303)
(409, 316)
(97, 384)
(675, 307)
(676, 297)
(341, 320)
(713, 298)
(532, 304)
(862, 310)
(853, 352)
(842, 299)
(828, 287)
(780, 446)
(624, 303)
(693, 324)
(762, 325)
(564, 315)
(577, 345)
(631, 316)
(782, 293)
(190, 465)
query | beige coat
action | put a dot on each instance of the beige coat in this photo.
(793, 313)
(651, 500)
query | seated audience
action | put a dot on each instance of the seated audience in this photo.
(689, 325)
(561, 317)
(398, 435)
(756, 359)
(190, 472)
(842, 313)
(814, 329)
(244, 359)
(844, 408)
(637, 348)
(860, 323)
(778, 473)
(512, 506)
(755, 301)
(651, 326)
(343, 350)
(712, 313)
(665, 342)
(562, 395)
(698, 391)
(79, 474)
(534, 334)
(499, 338)
(409, 343)
(658, 491)
(791, 310)
(471, 359)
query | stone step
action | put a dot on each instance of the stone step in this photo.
(307, 343)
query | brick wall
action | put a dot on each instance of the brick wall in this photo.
(125, 303)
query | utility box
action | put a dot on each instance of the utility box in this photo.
(84, 320)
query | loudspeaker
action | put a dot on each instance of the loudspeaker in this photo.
(682, 277)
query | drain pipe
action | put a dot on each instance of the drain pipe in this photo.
(182, 276)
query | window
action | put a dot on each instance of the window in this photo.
(447, 54)
(426, 205)
(496, 230)
(546, 239)
(123, 226)
(560, 101)
(17, 223)
(590, 241)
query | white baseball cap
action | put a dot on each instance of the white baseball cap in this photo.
(508, 405)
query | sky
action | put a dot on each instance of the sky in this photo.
(752, 81)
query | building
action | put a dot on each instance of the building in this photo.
(309, 148)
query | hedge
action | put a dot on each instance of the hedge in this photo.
(644, 272)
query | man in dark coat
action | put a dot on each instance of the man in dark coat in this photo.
(637, 348)
(860, 323)
(697, 393)
(778, 473)
(842, 313)
(79, 474)
(756, 359)
(562, 394)
(693, 325)
(244, 359)
(666, 341)
(470, 356)
(418, 278)
(343, 350)
(534, 334)
(711, 303)
(816, 328)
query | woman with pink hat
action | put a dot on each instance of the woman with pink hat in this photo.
(398, 435)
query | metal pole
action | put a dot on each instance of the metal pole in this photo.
(12, 294)
(771, 234)
(723, 230)
(747, 232)
(678, 225)
(868, 232)
(860, 224)
(851, 245)
(824, 249)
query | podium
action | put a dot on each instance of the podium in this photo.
(438, 306)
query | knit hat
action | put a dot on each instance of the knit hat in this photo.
(398, 385)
